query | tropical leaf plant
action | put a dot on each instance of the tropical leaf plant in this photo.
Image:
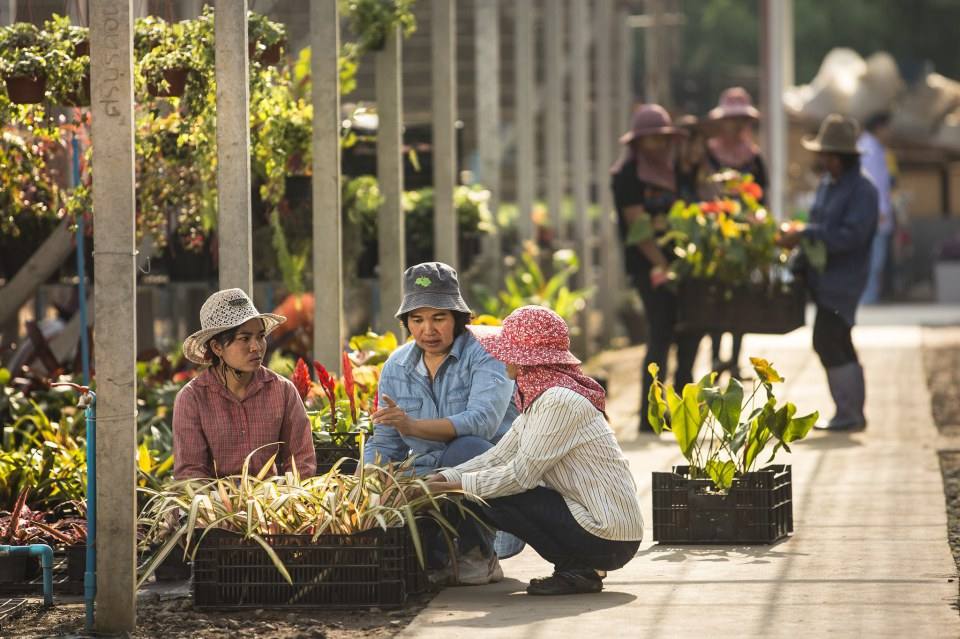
(721, 434)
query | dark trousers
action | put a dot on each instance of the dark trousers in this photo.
(832, 340)
(660, 308)
(541, 518)
(716, 338)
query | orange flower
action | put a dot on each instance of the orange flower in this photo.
(329, 385)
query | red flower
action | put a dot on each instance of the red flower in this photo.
(329, 385)
(349, 386)
(301, 379)
(752, 189)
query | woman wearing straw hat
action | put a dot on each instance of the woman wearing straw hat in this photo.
(236, 406)
(844, 218)
(443, 400)
(558, 479)
(644, 189)
(731, 147)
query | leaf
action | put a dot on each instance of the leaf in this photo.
(799, 427)
(727, 406)
(656, 407)
(721, 472)
(765, 371)
(273, 557)
(686, 420)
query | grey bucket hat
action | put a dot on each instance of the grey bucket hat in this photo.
(432, 285)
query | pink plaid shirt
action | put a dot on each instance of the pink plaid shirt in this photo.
(213, 431)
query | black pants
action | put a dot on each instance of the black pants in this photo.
(716, 337)
(541, 518)
(832, 340)
(660, 308)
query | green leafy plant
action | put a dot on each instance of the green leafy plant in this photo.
(527, 284)
(372, 20)
(255, 505)
(263, 33)
(721, 434)
(69, 79)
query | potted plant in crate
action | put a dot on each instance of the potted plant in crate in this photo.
(328, 541)
(719, 497)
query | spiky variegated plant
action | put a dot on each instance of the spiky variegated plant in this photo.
(255, 506)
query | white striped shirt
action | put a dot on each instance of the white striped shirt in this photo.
(564, 443)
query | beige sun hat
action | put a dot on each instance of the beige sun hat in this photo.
(837, 134)
(224, 310)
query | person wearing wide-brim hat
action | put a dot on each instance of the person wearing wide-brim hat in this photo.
(730, 146)
(844, 219)
(237, 407)
(442, 399)
(558, 479)
(645, 188)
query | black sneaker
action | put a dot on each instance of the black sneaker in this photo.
(567, 582)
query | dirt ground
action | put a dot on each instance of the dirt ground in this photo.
(176, 619)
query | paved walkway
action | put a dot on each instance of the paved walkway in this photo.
(869, 557)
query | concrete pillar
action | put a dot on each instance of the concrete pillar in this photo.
(233, 145)
(329, 332)
(390, 226)
(524, 116)
(624, 94)
(580, 154)
(776, 22)
(111, 49)
(487, 65)
(605, 134)
(555, 134)
(443, 71)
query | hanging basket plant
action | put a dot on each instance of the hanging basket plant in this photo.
(24, 51)
(26, 89)
(267, 39)
(371, 21)
(168, 83)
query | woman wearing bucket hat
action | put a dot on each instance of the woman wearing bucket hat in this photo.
(558, 479)
(731, 147)
(844, 218)
(443, 399)
(644, 190)
(236, 406)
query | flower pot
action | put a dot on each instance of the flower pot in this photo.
(340, 445)
(76, 563)
(757, 509)
(82, 49)
(176, 81)
(173, 567)
(774, 309)
(25, 90)
(270, 55)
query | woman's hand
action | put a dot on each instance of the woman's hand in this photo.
(393, 416)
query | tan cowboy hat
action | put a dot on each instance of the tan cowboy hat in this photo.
(838, 134)
(650, 119)
(735, 102)
(224, 310)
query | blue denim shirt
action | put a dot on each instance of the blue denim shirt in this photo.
(844, 217)
(471, 389)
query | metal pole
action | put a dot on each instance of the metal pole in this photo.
(443, 70)
(81, 273)
(524, 88)
(233, 145)
(329, 332)
(390, 224)
(111, 67)
(555, 133)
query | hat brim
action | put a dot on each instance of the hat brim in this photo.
(195, 346)
(433, 299)
(729, 113)
(813, 144)
(492, 340)
(630, 136)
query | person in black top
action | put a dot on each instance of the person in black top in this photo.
(644, 186)
(731, 146)
(693, 170)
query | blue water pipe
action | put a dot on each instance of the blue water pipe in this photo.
(88, 402)
(45, 553)
(81, 275)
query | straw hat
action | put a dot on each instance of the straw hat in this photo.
(838, 134)
(650, 119)
(529, 336)
(431, 285)
(224, 310)
(735, 102)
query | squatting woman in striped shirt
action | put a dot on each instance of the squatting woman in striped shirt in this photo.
(558, 479)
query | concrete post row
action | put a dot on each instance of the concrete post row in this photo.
(443, 70)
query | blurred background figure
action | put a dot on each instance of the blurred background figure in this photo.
(693, 172)
(731, 146)
(873, 160)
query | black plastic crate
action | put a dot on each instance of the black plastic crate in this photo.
(758, 508)
(361, 570)
(31, 583)
(415, 575)
(706, 306)
(340, 445)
